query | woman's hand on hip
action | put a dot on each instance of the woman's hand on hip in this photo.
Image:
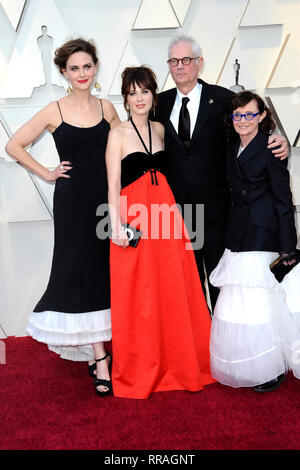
(60, 171)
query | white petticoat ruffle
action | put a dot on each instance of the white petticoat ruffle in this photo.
(245, 269)
(71, 335)
(255, 333)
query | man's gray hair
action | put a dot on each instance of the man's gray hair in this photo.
(187, 39)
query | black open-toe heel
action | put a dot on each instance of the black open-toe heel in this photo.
(104, 382)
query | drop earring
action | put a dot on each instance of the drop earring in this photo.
(69, 89)
(128, 109)
(97, 86)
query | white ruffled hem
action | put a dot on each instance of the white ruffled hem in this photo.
(71, 335)
(255, 333)
(244, 268)
(74, 353)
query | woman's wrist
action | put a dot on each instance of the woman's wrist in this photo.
(117, 233)
(47, 175)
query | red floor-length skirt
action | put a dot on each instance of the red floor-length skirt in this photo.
(160, 320)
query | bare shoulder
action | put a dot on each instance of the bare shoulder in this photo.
(118, 131)
(108, 107)
(116, 137)
(158, 127)
(51, 115)
(48, 117)
(106, 103)
(110, 113)
(50, 109)
(125, 127)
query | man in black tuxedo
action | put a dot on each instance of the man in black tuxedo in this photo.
(193, 115)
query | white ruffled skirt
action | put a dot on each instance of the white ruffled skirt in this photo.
(71, 335)
(255, 333)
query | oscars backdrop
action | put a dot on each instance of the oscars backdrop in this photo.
(251, 44)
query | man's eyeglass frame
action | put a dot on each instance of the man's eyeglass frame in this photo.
(188, 60)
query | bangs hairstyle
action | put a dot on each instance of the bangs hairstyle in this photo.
(142, 76)
(70, 47)
(241, 99)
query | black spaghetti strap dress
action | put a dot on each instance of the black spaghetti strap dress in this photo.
(74, 311)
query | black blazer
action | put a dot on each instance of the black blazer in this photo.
(198, 173)
(261, 216)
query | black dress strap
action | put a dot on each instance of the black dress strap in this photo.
(59, 111)
(150, 137)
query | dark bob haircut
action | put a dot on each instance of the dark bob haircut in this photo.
(267, 125)
(70, 47)
(142, 76)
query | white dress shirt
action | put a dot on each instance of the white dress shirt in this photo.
(192, 106)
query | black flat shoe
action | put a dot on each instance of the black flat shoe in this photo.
(271, 385)
(91, 369)
(104, 382)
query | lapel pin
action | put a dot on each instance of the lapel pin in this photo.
(210, 101)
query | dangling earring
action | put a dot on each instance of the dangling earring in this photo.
(69, 89)
(152, 111)
(97, 86)
(128, 109)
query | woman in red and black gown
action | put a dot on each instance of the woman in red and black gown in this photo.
(160, 320)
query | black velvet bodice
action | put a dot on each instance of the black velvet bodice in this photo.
(136, 164)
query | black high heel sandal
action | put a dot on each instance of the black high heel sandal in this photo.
(104, 382)
(91, 369)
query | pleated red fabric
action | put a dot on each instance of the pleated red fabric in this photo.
(160, 320)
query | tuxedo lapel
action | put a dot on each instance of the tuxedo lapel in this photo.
(205, 107)
(168, 103)
(173, 132)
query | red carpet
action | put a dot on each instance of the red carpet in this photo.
(48, 403)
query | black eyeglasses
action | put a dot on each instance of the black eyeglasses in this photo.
(185, 61)
(247, 116)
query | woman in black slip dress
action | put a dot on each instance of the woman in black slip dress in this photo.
(73, 315)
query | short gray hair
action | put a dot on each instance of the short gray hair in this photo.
(196, 48)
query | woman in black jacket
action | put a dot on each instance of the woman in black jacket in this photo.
(255, 328)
